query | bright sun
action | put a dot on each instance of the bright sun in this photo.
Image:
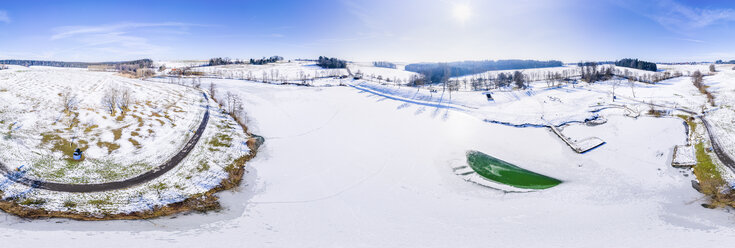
(462, 12)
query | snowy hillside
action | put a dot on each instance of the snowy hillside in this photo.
(39, 137)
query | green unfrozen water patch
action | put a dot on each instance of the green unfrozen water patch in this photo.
(503, 172)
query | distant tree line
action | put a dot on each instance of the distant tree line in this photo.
(384, 64)
(265, 60)
(590, 73)
(516, 79)
(637, 64)
(186, 71)
(330, 63)
(223, 61)
(141, 63)
(438, 72)
(725, 62)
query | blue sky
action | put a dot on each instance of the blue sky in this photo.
(405, 30)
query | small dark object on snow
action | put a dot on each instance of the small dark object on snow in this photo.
(696, 186)
(77, 154)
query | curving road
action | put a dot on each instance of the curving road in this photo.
(725, 158)
(142, 178)
(721, 154)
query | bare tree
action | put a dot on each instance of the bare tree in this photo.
(69, 101)
(109, 100)
(631, 82)
(452, 86)
(697, 80)
(615, 85)
(235, 108)
(212, 90)
(196, 82)
(712, 68)
(230, 102)
(124, 99)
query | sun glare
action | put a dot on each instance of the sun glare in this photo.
(462, 12)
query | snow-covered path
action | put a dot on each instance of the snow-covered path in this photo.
(341, 168)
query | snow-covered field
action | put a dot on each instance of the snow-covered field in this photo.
(37, 131)
(279, 71)
(180, 63)
(303, 72)
(162, 118)
(343, 167)
(397, 75)
(371, 165)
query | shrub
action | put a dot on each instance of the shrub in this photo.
(330, 63)
(637, 64)
(264, 60)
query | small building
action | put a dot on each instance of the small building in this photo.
(489, 96)
(358, 76)
(684, 157)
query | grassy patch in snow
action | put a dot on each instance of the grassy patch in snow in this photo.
(203, 166)
(503, 172)
(91, 128)
(32, 202)
(135, 143)
(100, 202)
(70, 204)
(111, 147)
(117, 133)
(220, 140)
(111, 171)
(711, 182)
(59, 144)
(709, 177)
(690, 121)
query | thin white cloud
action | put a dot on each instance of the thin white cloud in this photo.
(121, 40)
(70, 31)
(4, 16)
(691, 40)
(679, 17)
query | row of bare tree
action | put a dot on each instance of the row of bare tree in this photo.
(114, 99)
(698, 82)
(589, 72)
(275, 75)
(230, 102)
(117, 99)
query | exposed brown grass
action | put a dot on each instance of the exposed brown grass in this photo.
(135, 143)
(89, 129)
(62, 145)
(111, 147)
